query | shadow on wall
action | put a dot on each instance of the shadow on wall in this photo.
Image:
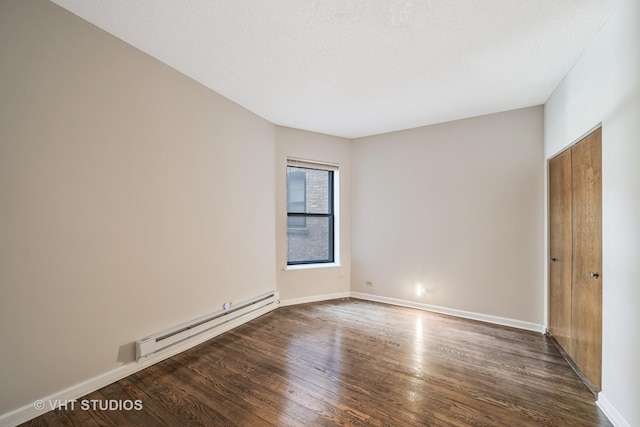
(127, 353)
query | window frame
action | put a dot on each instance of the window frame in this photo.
(331, 215)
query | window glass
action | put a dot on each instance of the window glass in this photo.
(310, 216)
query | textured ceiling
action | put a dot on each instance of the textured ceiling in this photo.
(361, 67)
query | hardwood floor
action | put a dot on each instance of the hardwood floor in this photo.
(352, 362)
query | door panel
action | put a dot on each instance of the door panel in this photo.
(586, 318)
(560, 249)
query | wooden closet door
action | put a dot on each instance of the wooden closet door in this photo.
(560, 248)
(586, 318)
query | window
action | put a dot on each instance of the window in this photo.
(310, 213)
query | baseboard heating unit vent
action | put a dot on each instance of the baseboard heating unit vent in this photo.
(223, 320)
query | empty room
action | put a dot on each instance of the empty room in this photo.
(322, 212)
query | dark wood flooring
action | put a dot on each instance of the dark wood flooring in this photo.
(352, 362)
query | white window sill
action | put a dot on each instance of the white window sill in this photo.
(311, 266)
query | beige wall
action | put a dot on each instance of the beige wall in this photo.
(131, 199)
(312, 283)
(456, 207)
(604, 87)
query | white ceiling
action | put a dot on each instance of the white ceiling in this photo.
(361, 67)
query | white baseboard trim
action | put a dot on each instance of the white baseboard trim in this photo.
(75, 392)
(315, 298)
(611, 412)
(453, 312)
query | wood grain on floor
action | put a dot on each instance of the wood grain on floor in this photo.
(352, 362)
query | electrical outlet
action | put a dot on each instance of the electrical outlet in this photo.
(369, 283)
(341, 276)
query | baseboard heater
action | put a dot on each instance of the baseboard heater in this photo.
(220, 319)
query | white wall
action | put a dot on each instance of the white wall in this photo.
(131, 199)
(604, 87)
(457, 207)
(307, 284)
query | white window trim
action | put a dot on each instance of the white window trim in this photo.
(312, 266)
